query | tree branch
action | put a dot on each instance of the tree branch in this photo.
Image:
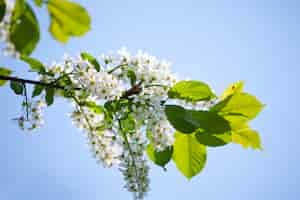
(136, 89)
(20, 80)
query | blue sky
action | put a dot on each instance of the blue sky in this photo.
(215, 41)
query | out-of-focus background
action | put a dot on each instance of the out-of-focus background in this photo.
(216, 41)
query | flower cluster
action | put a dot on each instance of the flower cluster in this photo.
(134, 166)
(120, 107)
(32, 117)
(9, 48)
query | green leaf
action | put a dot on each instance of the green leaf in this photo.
(35, 65)
(131, 75)
(247, 138)
(19, 8)
(160, 158)
(177, 117)
(91, 59)
(49, 96)
(188, 121)
(67, 19)
(243, 104)
(24, 30)
(189, 155)
(213, 140)
(4, 72)
(98, 109)
(38, 89)
(129, 124)
(2, 9)
(17, 87)
(191, 91)
(232, 89)
(38, 3)
(57, 32)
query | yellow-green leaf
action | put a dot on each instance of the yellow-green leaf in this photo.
(191, 91)
(233, 88)
(189, 155)
(4, 72)
(247, 137)
(242, 104)
(57, 32)
(68, 19)
(38, 3)
(35, 65)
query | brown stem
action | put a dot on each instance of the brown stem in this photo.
(21, 80)
(136, 89)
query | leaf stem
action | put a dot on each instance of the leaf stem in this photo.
(81, 111)
(130, 152)
(117, 67)
(156, 85)
(26, 101)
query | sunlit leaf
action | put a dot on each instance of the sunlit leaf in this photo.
(88, 57)
(191, 91)
(4, 72)
(68, 19)
(189, 155)
(35, 65)
(247, 137)
(38, 3)
(233, 88)
(243, 104)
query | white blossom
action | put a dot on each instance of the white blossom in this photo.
(9, 48)
(144, 93)
(32, 117)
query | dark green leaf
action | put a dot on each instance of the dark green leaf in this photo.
(37, 90)
(19, 8)
(189, 155)
(35, 65)
(2, 9)
(213, 140)
(160, 158)
(188, 121)
(91, 59)
(177, 117)
(67, 19)
(24, 30)
(131, 75)
(4, 72)
(191, 91)
(38, 3)
(49, 96)
(17, 87)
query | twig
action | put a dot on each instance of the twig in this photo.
(20, 80)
